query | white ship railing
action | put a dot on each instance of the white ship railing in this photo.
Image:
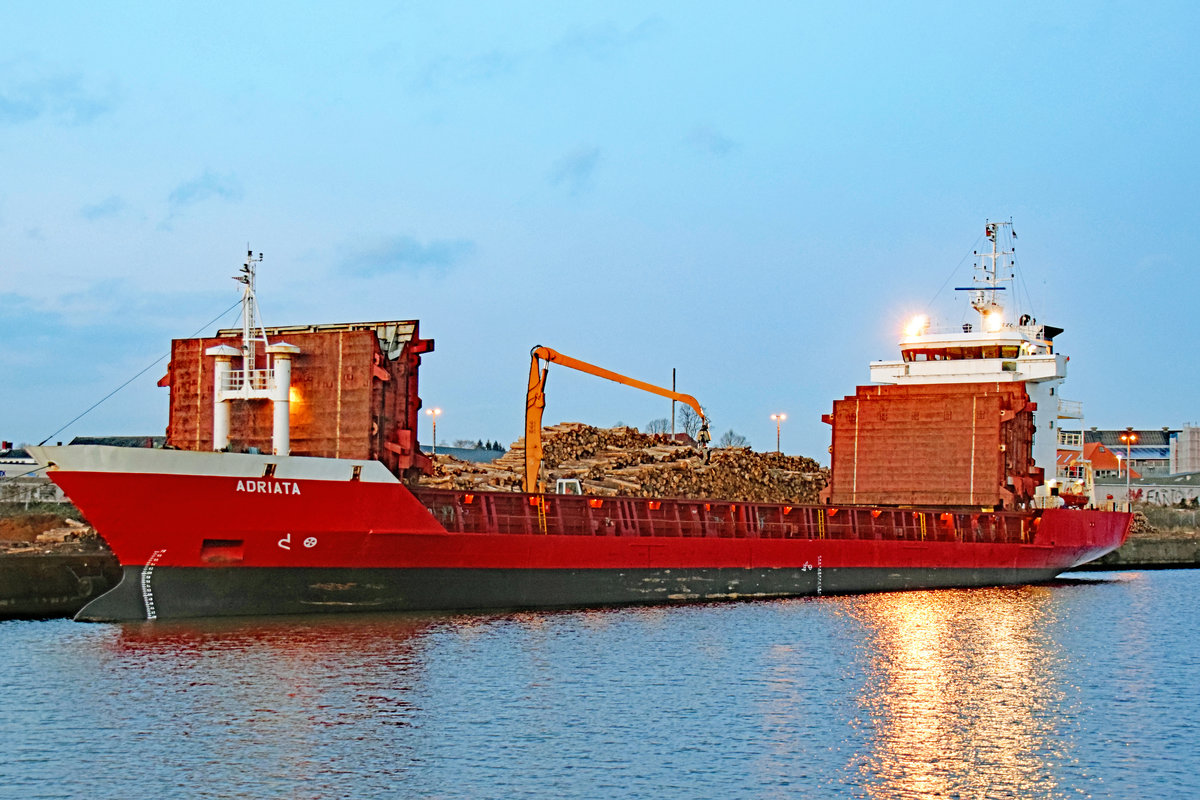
(1070, 439)
(255, 380)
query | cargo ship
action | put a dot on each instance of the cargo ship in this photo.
(288, 487)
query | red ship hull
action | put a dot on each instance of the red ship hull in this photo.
(211, 534)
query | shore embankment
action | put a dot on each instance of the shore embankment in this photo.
(1167, 553)
(1162, 538)
(51, 561)
(1174, 549)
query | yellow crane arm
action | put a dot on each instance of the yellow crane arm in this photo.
(535, 401)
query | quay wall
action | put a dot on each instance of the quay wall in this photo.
(1167, 552)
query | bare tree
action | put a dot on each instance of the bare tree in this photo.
(731, 439)
(660, 425)
(689, 420)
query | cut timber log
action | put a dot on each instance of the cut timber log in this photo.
(623, 461)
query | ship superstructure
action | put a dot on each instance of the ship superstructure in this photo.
(999, 347)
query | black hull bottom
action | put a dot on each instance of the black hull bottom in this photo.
(178, 592)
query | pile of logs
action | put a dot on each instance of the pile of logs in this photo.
(623, 461)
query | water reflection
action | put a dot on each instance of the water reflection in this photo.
(1082, 688)
(948, 693)
(285, 699)
(961, 692)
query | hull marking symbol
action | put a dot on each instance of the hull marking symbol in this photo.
(286, 542)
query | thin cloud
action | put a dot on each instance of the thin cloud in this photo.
(711, 141)
(605, 39)
(447, 70)
(110, 206)
(204, 187)
(597, 42)
(406, 254)
(207, 186)
(112, 302)
(62, 98)
(575, 170)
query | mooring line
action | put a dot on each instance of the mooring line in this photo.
(135, 377)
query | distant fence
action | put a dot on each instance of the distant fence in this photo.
(28, 491)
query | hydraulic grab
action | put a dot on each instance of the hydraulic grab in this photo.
(535, 403)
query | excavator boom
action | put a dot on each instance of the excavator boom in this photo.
(535, 402)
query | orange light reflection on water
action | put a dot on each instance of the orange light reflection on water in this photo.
(956, 691)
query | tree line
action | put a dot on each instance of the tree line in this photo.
(688, 421)
(478, 444)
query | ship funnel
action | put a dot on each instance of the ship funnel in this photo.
(222, 378)
(281, 434)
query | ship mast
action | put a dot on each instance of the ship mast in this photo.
(987, 279)
(252, 329)
(248, 383)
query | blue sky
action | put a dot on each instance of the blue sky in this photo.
(756, 196)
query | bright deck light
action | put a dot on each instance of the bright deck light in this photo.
(917, 325)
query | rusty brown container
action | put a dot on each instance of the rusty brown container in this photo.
(967, 445)
(354, 393)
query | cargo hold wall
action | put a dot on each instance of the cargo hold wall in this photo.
(354, 393)
(967, 445)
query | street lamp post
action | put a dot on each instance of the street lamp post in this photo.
(433, 415)
(1128, 437)
(779, 418)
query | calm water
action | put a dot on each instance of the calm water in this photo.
(1086, 688)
